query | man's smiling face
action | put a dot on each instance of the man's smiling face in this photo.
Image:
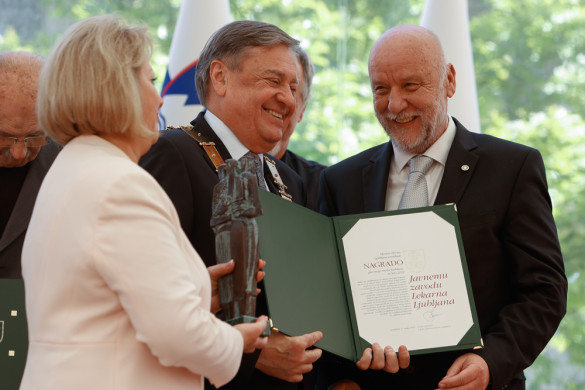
(411, 86)
(260, 96)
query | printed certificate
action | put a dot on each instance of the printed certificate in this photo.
(395, 277)
(407, 281)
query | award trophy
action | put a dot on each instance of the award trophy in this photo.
(236, 203)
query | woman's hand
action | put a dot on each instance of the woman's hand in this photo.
(222, 269)
(251, 334)
(215, 273)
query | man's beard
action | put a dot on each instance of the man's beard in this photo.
(401, 139)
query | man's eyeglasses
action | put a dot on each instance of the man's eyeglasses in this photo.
(29, 142)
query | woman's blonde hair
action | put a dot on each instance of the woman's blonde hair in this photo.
(90, 82)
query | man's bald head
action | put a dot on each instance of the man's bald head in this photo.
(411, 83)
(20, 70)
(412, 40)
(19, 78)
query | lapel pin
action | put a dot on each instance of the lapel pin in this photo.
(465, 168)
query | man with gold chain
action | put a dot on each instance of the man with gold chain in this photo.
(246, 80)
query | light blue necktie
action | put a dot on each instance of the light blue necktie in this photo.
(416, 193)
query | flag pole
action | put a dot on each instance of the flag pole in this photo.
(449, 20)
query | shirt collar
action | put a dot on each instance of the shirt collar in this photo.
(438, 151)
(233, 145)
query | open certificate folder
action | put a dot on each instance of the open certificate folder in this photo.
(393, 277)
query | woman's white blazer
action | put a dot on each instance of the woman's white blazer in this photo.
(116, 296)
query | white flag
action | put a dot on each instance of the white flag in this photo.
(197, 21)
(449, 20)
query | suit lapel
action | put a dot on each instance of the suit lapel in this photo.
(375, 179)
(268, 177)
(292, 182)
(20, 216)
(201, 125)
(459, 168)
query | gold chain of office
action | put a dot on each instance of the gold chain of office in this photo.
(217, 160)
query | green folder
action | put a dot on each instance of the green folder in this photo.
(308, 285)
(13, 333)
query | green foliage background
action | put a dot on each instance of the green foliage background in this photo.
(530, 70)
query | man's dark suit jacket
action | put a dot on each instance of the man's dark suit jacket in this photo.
(309, 171)
(13, 238)
(188, 176)
(511, 245)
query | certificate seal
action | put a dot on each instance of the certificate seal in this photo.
(415, 260)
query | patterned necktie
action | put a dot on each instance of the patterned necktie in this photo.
(416, 193)
(257, 169)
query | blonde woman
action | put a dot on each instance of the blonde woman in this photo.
(116, 296)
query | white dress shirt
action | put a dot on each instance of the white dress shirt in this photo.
(399, 169)
(232, 143)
